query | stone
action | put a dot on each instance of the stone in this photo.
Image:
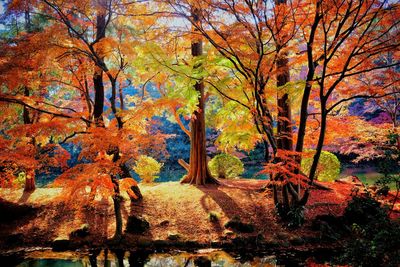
(173, 236)
(164, 223)
(296, 241)
(61, 244)
(137, 225)
(238, 226)
(15, 239)
(228, 233)
(202, 261)
(81, 232)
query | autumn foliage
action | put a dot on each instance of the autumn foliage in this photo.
(283, 74)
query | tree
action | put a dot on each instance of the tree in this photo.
(198, 172)
(342, 38)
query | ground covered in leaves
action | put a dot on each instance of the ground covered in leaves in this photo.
(169, 214)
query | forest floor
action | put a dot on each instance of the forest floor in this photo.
(177, 215)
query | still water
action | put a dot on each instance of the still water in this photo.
(126, 259)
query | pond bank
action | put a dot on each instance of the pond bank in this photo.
(234, 216)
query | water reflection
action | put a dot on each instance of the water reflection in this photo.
(125, 259)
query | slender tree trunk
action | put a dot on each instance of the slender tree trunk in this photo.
(135, 189)
(199, 173)
(112, 101)
(98, 73)
(25, 111)
(317, 155)
(117, 199)
(307, 90)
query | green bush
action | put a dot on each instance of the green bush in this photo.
(147, 168)
(225, 166)
(19, 182)
(328, 167)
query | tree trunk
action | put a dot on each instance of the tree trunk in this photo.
(285, 138)
(284, 129)
(320, 144)
(117, 199)
(199, 173)
(307, 90)
(98, 73)
(112, 101)
(135, 189)
(30, 181)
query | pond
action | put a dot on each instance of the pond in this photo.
(178, 258)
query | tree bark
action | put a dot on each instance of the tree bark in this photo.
(317, 154)
(199, 173)
(98, 73)
(117, 199)
(112, 101)
(30, 181)
(284, 128)
(285, 138)
(135, 189)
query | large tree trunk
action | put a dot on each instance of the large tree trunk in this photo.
(199, 173)
(285, 136)
(284, 131)
(30, 181)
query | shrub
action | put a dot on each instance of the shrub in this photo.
(213, 216)
(362, 210)
(225, 166)
(19, 182)
(328, 167)
(147, 168)
(374, 237)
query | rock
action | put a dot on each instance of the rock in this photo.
(15, 239)
(82, 232)
(282, 236)
(164, 223)
(284, 244)
(296, 241)
(173, 236)
(136, 225)
(216, 244)
(350, 180)
(213, 217)
(202, 261)
(383, 191)
(329, 226)
(228, 233)
(61, 244)
(238, 226)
